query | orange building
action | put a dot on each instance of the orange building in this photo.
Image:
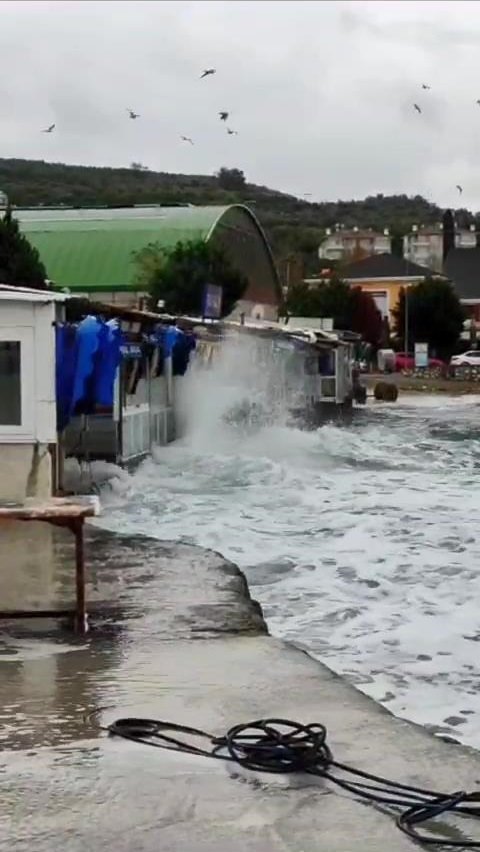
(383, 276)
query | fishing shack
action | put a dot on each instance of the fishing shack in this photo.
(121, 402)
(295, 372)
(28, 422)
(30, 461)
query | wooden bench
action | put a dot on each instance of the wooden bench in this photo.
(60, 512)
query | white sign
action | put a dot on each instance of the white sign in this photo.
(421, 355)
(317, 323)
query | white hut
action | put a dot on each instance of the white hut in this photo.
(28, 417)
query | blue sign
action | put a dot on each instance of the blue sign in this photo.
(212, 301)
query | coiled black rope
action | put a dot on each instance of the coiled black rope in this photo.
(281, 746)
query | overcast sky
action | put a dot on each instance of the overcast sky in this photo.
(321, 93)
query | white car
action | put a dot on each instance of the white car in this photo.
(466, 359)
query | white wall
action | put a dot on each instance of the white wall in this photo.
(121, 298)
(25, 471)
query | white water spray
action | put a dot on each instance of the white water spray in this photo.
(361, 542)
(251, 382)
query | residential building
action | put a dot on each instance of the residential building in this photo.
(354, 243)
(462, 267)
(383, 276)
(91, 252)
(424, 244)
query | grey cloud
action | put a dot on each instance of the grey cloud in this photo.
(320, 92)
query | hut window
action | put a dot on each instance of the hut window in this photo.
(10, 383)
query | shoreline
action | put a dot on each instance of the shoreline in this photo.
(418, 384)
(178, 636)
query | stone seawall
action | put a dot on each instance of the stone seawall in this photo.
(177, 637)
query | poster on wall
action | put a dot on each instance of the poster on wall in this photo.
(421, 355)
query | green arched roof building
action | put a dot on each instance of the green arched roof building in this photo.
(92, 250)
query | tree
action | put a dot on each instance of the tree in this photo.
(20, 264)
(350, 308)
(179, 275)
(397, 242)
(296, 241)
(326, 299)
(231, 178)
(448, 233)
(435, 315)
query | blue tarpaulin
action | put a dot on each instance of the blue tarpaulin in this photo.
(176, 344)
(87, 358)
(108, 357)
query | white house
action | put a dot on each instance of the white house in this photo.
(424, 244)
(353, 243)
(28, 417)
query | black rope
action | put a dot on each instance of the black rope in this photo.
(281, 746)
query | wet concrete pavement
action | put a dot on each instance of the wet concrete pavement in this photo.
(177, 637)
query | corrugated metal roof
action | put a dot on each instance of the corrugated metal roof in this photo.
(94, 249)
(183, 218)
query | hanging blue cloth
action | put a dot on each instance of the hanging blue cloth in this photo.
(108, 360)
(166, 336)
(87, 359)
(170, 338)
(176, 344)
(88, 339)
(66, 348)
(182, 349)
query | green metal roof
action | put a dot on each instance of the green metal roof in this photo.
(94, 249)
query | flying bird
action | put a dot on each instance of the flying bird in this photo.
(232, 132)
(49, 129)
(223, 115)
(424, 86)
(478, 102)
(208, 72)
(415, 106)
(187, 139)
(132, 114)
(460, 188)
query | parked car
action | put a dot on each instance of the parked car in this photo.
(406, 361)
(466, 359)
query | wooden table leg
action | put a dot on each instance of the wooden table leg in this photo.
(81, 626)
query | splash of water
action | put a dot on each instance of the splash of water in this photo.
(252, 382)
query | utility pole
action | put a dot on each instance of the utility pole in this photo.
(406, 320)
(405, 309)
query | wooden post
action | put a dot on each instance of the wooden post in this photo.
(81, 626)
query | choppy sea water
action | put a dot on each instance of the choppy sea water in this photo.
(361, 542)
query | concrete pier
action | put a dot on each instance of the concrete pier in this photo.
(176, 636)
